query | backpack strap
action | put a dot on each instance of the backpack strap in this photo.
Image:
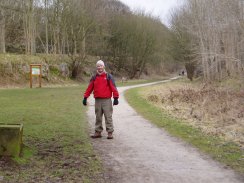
(108, 78)
(93, 78)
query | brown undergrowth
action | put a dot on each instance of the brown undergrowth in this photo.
(216, 110)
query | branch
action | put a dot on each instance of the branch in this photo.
(10, 8)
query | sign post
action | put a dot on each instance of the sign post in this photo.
(35, 70)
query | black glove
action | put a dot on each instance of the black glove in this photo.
(85, 101)
(116, 101)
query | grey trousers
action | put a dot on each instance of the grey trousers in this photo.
(103, 106)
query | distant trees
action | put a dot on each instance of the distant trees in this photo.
(205, 35)
(53, 26)
(136, 40)
(83, 27)
(216, 36)
(49, 26)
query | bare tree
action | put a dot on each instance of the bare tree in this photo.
(46, 25)
(2, 28)
(216, 28)
(29, 26)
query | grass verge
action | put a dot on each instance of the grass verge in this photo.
(56, 144)
(226, 152)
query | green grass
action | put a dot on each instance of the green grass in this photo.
(225, 152)
(56, 142)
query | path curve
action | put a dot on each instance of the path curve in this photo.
(143, 153)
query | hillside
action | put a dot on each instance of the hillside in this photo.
(56, 69)
(60, 70)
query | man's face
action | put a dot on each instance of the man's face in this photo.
(100, 68)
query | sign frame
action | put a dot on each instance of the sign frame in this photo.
(36, 70)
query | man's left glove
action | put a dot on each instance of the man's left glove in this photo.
(116, 101)
(85, 101)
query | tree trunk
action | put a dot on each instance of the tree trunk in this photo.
(46, 25)
(83, 44)
(2, 31)
(30, 29)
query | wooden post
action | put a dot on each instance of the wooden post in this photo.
(30, 76)
(40, 77)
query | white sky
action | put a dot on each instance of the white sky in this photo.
(158, 8)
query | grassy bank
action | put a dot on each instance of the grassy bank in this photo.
(56, 144)
(225, 152)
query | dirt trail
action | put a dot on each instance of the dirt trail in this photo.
(141, 152)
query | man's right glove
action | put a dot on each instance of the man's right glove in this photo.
(116, 101)
(85, 101)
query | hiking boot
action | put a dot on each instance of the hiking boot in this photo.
(96, 135)
(110, 135)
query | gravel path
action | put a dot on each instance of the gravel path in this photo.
(141, 152)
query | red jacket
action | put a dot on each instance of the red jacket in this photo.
(103, 86)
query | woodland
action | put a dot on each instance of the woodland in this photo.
(204, 36)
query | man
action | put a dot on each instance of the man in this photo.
(103, 86)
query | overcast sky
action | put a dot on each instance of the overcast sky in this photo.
(158, 8)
